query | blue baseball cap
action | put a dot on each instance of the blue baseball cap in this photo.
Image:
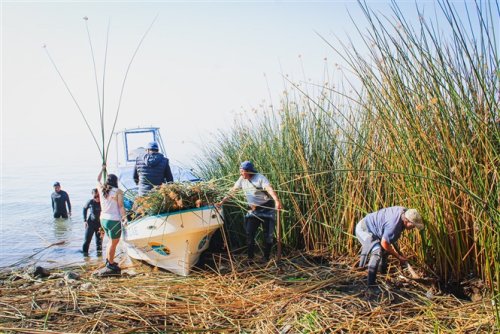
(248, 166)
(152, 146)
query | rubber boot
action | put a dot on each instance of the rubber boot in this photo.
(373, 265)
(382, 267)
(267, 251)
(250, 251)
(372, 277)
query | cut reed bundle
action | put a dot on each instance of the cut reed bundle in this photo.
(172, 197)
(104, 142)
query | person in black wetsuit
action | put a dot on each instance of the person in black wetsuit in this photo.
(92, 222)
(60, 199)
(151, 169)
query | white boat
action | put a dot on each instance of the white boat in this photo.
(172, 241)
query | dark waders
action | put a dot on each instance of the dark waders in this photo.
(92, 229)
(370, 245)
(253, 219)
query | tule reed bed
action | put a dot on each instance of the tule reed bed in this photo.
(298, 294)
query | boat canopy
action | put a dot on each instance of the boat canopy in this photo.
(131, 143)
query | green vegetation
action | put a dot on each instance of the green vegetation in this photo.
(422, 131)
(99, 136)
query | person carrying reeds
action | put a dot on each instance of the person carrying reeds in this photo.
(379, 231)
(151, 169)
(263, 203)
(112, 214)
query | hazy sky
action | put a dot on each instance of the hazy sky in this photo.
(201, 62)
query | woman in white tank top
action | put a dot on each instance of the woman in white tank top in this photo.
(112, 214)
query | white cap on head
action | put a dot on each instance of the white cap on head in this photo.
(415, 218)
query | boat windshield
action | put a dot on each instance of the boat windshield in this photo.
(135, 143)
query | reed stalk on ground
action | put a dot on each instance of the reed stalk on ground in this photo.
(298, 296)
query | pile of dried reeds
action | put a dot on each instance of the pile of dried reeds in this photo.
(171, 197)
(298, 295)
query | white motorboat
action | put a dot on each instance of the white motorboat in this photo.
(173, 241)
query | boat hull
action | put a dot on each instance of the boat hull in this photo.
(172, 241)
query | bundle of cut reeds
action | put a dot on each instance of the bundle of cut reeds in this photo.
(172, 197)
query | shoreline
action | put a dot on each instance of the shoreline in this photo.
(296, 295)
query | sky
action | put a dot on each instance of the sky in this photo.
(201, 63)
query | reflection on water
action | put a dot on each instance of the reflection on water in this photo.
(62, 228)
(28, 232)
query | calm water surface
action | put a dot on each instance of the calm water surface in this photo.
(27, 227)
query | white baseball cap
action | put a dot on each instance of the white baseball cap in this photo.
(415, 218)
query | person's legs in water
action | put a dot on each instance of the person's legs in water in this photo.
(251, 226)
(61, 215)
(98, 239)
(89, 231)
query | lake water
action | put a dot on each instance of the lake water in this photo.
(27, 226)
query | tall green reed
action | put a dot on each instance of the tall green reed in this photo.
(104, 141)
(422, 131)
(436, 106)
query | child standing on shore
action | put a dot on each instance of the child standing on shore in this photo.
(92, 223)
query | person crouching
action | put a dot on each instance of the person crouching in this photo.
(379, 231)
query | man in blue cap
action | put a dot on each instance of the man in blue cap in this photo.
(151, 169)
(263, 203)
